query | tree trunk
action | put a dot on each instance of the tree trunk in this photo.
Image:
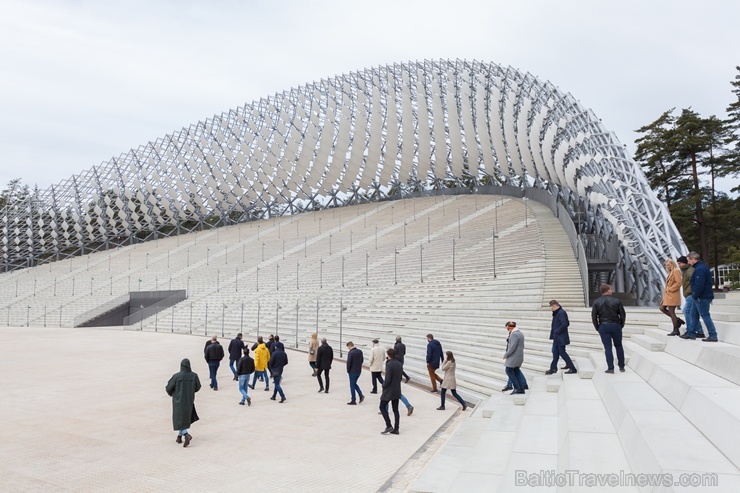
(715, 220)
(703, 250)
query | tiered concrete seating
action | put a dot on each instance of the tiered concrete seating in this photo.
(391, 265)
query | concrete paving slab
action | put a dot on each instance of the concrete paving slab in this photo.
(85, 410)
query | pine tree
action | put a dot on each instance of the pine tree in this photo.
(675, 152)
(733, 125)
(657, 158)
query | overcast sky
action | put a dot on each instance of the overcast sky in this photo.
(84, 81)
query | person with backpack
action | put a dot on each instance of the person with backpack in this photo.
(244, 368)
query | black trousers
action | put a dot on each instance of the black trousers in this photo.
(386, 417)
(376, 377)
(321, 382)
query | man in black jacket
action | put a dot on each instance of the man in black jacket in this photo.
(235, 353)
(324, 358)
(400, 349)
(214, 353)
(608, 317)
(278, 360)
(391, 392)
(244, 368)
(354, 369)
(560, 339)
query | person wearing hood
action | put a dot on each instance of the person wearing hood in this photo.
(261, 358)
(182, 388)
(434, 359)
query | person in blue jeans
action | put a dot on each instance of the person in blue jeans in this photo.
(354, 370)
(608, 318)
(261, 359)
(278, 361)
(702, 294)
(692, 332)
(409, 407)
(214, 353)
(244, 368)
(510, 385)
(560, 339)
(514, 357)
(235, 353)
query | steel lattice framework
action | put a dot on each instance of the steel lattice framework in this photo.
(374, 134)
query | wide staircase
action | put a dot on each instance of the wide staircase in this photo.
(671, 422)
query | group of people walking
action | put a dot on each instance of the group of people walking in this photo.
(693, 276)
(183, 385)
(271, 357)
(687, 273)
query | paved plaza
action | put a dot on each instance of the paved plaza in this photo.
(85, 409)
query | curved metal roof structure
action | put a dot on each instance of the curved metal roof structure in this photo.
(369, 135)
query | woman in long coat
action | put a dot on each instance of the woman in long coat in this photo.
(449, 382)
(672, 295)
(182, 388)
(313, 346)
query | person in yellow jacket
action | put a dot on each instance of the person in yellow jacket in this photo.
(261, 357)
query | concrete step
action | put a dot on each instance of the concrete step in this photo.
(648, 342)
(655, 436)
(720, 358)
(585, 367)
(710, 402)
(587, 440)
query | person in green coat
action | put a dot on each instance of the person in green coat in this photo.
(182, 388)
